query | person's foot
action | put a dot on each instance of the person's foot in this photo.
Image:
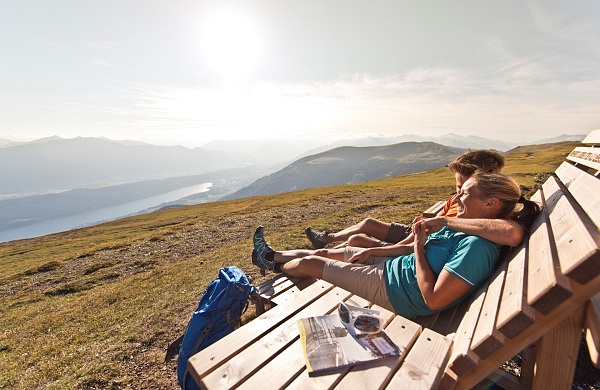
(261, 248)
(318, 240)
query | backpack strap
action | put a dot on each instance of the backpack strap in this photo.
(203, 335)
(173, 348)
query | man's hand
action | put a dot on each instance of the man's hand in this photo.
(435, 224)
(360, 256)
(420, 231)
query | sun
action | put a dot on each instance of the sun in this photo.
(231, 43)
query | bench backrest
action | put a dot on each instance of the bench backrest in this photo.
(554, 272)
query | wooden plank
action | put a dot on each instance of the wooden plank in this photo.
(592, 138)
(423, 367)
(487, 338)
(403, 333)
(426, 321)
(462, 359)
(448, 381)
(290, 293)
(547, 287)
(434, 210)
(216, 354)
(528, 364)
(584, 188)
(506, 381)
(291, 361)
(247, 362)
(592, 331)
(459, 314)
(514, 314)
(543, 324)
(589, 157)
(271, 283)
(448, 321)
(378, 374)
(557, 354)
(279, 371)
(577, 239)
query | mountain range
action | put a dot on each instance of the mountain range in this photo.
(53, 177)
(57, 165)
(348, 164)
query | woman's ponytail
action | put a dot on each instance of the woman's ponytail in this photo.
(526, 215)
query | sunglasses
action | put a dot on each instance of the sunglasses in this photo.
(367, 321)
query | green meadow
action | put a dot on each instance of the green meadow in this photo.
(96, 307)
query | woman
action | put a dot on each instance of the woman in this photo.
(420, 278)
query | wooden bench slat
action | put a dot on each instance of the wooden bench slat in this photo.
(292, 292)
(592, 331)
(543, 323)
(431, 348)
(486, 338)
(377, 374)
(267, 285)
(588, 156)
(448, 321)
(462, 359)
(434, 210)
(514, 314)
(583, 187)
(592, 138)
(547, 287)
(577, 240)
(251, 359)
(426, 321)
(292, 359)
(214, 355)
(266, 378)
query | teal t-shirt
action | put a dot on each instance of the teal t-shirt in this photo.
(469, 258)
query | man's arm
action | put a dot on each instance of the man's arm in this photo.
(499, 231)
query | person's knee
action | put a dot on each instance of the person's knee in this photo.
(367, 223)
(358, 240)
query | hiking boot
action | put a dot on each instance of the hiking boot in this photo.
(261, 248)
(317, 239)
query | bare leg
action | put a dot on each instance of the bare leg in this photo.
(369, 226)
(286, 256)
(363, 241)
(305, 267)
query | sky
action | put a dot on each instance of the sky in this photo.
(188, 72)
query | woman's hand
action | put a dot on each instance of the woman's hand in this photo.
(360, 256)
(420, 231)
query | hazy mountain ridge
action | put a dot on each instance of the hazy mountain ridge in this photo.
(349, 164)
(64, 164)
(450, 139)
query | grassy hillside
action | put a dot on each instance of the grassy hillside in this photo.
(96, 307)
(350, 164)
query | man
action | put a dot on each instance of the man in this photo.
(371, 232)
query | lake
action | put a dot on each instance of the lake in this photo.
(99, 215)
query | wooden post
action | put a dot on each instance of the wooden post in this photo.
(557, 354)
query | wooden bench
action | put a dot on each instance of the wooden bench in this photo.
(543, 294)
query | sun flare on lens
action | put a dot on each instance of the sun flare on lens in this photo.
(231, 43)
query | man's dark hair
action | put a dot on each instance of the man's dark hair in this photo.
(488, 161)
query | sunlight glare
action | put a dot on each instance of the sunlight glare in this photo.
(231, 43)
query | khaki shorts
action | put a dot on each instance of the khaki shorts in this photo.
(365, 280)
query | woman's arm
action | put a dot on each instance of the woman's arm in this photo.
(437, 293)
(384, 251)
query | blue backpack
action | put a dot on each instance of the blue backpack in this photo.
(220, 308)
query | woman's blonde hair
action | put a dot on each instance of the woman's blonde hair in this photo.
(507, 191)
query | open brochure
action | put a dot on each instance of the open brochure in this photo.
(328, 344)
